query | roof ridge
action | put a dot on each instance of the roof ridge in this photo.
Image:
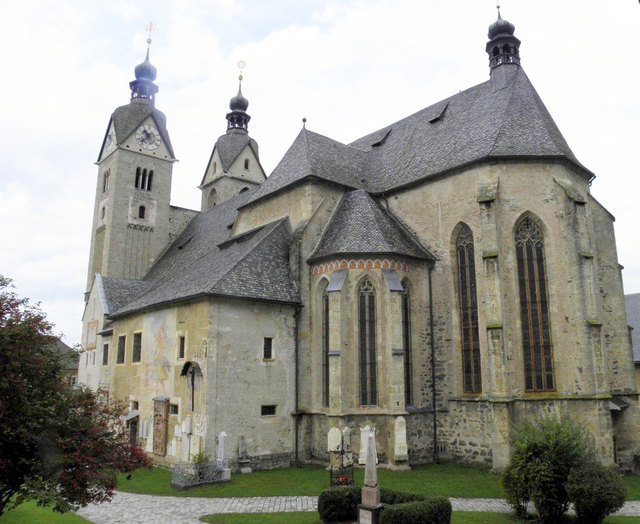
(306, 148)
(373, 205)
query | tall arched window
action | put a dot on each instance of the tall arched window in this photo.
(472, 382)
(406, 343)
(325, 347)
(367, 343)
(534, 307)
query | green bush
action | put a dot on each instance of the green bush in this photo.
(339, 504)
(433, 510)
(596, 491)
(543, 453)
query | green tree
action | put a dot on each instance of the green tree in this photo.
(60, 446)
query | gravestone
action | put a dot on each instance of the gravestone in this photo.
(243, 456)
(400, 449)
(364, 440)
(369, 510)
(334, 443)
(348, 456)
(222, 459)
(160, 424)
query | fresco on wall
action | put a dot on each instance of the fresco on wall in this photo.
(158, 370)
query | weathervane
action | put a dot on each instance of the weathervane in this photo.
(241, 65)
(149, 27)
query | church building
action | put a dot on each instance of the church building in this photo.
(438, 280)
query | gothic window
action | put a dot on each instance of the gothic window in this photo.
(534, 307)
(141, 212)
(325, 348)
(246, 164)
(406, 343)
(149, 180)
(144, 178)
(138, 183)
(137, 347)
(367, 343)
(468, 303)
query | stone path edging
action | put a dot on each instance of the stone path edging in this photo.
(126, 508)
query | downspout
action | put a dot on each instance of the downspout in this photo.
(296, 415)
(436, 460)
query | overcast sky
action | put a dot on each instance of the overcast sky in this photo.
(349, 67)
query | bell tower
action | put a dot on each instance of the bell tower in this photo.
(131, 213)
(234, 165)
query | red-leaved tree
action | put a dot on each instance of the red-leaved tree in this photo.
(60, 446)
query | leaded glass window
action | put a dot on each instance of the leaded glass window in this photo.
(471, 376)
(325, 348)
(406, 343)
(367, 343)
(534, 307)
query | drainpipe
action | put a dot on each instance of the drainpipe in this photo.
(296, 415)
(436, 460)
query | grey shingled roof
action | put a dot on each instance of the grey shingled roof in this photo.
(633, 318)
(116, 292)
(482, 123)
(126, 120)
(229, 147)
(315, 156)
(205, 261)
(360, 225)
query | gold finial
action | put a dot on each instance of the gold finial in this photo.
(149, 27)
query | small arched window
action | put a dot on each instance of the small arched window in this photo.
(406, 342)
(506, 49)
(105, 181)
(215, 167)
(102, 212)
(367, 343)
(495, 51)
(149, 180)
(468, 303)
(534, 307)
(138, 178)
(141, 211)
(246, 164)
(243, 190)
(325, 347)
(212, 198)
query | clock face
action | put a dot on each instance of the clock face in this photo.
(110, 142)
(148, 137)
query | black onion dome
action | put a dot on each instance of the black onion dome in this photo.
(145, 70)
(500, 27)
(239, 102)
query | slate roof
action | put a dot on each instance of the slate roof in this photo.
(117, 292)
(126, 120)
(360, 225)
(633, 318)
(482, 123)
(203, 260)
(229, 147)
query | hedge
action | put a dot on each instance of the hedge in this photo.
(341, 505)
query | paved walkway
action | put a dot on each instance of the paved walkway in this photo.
(126, 508)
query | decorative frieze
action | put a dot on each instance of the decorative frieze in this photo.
(369, 263)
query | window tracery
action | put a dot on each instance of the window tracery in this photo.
(406, 342)
(367, 343)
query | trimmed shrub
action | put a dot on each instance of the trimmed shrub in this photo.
(543, 454)
(339, 504)
(433, 510)
(391, 496)
(596, 491)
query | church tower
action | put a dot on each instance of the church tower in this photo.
(131, 213)
(234, 165)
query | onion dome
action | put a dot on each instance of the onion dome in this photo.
(238, 118)
(146, 70)
(143, 87)
(501, 27)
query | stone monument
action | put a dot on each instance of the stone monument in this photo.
(222, 460)
(364, 439)
(369, 510)
(334, 446)
(243, 456)
(400, 449)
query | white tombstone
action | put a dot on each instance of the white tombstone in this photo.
(334, 440)
(222, 459)
(400, 449)
(364, 444)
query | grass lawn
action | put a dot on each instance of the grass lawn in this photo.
(32, 514)
(451, 480)
(458, 517)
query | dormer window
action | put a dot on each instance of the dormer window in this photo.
(141, 212)
(246, 164)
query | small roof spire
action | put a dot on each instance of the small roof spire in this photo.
(238, 117)
(143, 86)
(503, 47)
